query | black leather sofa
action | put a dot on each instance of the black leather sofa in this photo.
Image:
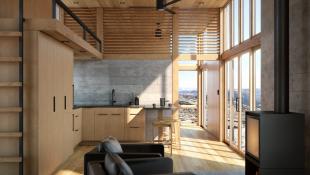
(125, 151)
(114, 165)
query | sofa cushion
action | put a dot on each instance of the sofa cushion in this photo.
(110, 144)
(115, 165)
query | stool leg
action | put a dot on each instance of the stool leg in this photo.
(171, 140)
(153, 140)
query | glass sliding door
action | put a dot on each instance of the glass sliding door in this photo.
(245, 93)
(257, 82)
(236, 100)
(188, 98)
(232, 102)
(227, 99)
(204, 99)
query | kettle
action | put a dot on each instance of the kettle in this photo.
(137, 100)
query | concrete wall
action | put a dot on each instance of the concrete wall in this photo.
(299, 61)
(94, 81)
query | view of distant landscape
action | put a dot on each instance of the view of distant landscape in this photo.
(188, 115)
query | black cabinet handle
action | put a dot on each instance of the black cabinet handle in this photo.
(73, 122)
(101, 114)
(54, 104)
(134, 127)
(65, 102)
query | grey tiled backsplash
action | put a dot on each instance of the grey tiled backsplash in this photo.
(94, 81)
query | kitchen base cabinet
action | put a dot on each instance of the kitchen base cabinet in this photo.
(109, 122)
(135, 124)
(88, 122)
(127, 124)
(77, 126)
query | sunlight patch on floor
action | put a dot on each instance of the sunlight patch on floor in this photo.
(67, 172)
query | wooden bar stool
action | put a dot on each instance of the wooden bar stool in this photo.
(165, 123)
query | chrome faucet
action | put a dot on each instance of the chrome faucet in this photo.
(113, 101)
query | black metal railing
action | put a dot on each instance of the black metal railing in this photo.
(84, 27)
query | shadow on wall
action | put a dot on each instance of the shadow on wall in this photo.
(94, 81)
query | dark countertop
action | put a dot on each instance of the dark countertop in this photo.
(106, 106)
(148, 107)
(157, 107)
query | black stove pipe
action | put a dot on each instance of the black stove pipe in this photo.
(281, 56)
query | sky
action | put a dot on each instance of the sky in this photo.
(187, 80)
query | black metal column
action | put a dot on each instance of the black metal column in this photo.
(281, 56)
(21, 88)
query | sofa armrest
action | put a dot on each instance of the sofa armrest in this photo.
(143, 148)
(161, 165)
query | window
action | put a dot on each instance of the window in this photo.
(257, 59)
(245, 93)
(242, 20)
(246, 19)
(227, 27)
(257, 16)
(235, 22)
(241, 94)
(242, 69)
(188, 97)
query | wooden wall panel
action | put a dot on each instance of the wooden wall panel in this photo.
(88, 16)
(199, 31)
(132, 31)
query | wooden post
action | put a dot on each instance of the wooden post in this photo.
(175, 75)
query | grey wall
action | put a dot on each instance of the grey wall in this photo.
(94, 81)
(299, 61)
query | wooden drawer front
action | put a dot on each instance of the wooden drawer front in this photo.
(136, 120)
(110, 111)
(134, 110)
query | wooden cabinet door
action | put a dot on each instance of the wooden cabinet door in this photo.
(135, 125)
(77, 127)
(65, 86)
(109, 122)
(102, 126)
(46, 106)
(88, 121)
(68, 81)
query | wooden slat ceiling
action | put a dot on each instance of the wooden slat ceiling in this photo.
(144, 3)
(199, 31)
(132, 31)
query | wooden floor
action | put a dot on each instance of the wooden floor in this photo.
(199, 153)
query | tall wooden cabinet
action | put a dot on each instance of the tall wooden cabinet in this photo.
(49, 67)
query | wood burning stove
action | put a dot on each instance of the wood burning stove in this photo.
(275, 140)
